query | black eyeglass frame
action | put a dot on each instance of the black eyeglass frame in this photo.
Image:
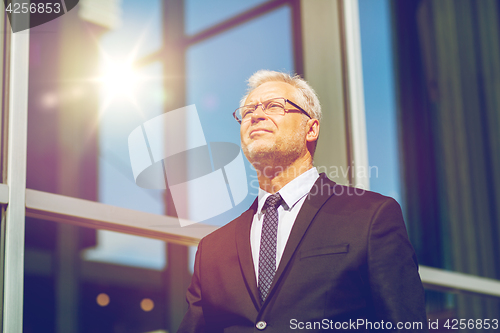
(264, 110)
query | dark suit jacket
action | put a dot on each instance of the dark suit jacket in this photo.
(348, 257)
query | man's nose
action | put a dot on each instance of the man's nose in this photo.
(259, 113)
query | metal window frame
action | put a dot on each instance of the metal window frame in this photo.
(185, 42)
(13, 222)
(95, 215)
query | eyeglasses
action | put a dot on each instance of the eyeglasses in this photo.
(273, 106)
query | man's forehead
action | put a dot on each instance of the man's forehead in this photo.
(271, 89)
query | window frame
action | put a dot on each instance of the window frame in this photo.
(342, 76)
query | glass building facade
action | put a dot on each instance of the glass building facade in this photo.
(409, 91)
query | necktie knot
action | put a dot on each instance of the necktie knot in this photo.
(273, 201)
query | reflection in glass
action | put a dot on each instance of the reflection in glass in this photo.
(217, 71)
(104, 297)
(380, 99)
(201, 15)
(129, 96)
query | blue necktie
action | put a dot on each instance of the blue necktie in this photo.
(268, 244)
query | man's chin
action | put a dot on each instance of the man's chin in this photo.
(256, 152)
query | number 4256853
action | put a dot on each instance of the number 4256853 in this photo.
(455, 324)
(33, 8)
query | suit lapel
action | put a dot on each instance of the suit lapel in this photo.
(315, 200)
(245, 253)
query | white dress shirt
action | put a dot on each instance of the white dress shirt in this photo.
(294, 194)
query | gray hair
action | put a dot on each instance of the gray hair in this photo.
(306, 96)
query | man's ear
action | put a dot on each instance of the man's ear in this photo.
(313, 130)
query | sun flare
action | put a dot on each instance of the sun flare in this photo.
(120, 79)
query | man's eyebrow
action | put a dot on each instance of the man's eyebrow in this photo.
(251, 102)
(261, 100)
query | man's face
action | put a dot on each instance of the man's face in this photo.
(273, 139)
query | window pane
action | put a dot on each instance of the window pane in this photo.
(120, 115)
(381, 127)
(201, 15)
(447, 83)
(447, 311)
(445, 76)
(130, 250)
(85, 97)
(140, 29)
(217, 70)
(63, 290)
(128, 98)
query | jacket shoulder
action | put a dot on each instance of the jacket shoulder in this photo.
(228, 231)
(348, 195)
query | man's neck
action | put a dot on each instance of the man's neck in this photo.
(273, 178)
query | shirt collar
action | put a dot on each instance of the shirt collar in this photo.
(293, 191)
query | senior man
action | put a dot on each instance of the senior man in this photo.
(309, 253)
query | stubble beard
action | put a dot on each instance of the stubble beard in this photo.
(273, 154)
